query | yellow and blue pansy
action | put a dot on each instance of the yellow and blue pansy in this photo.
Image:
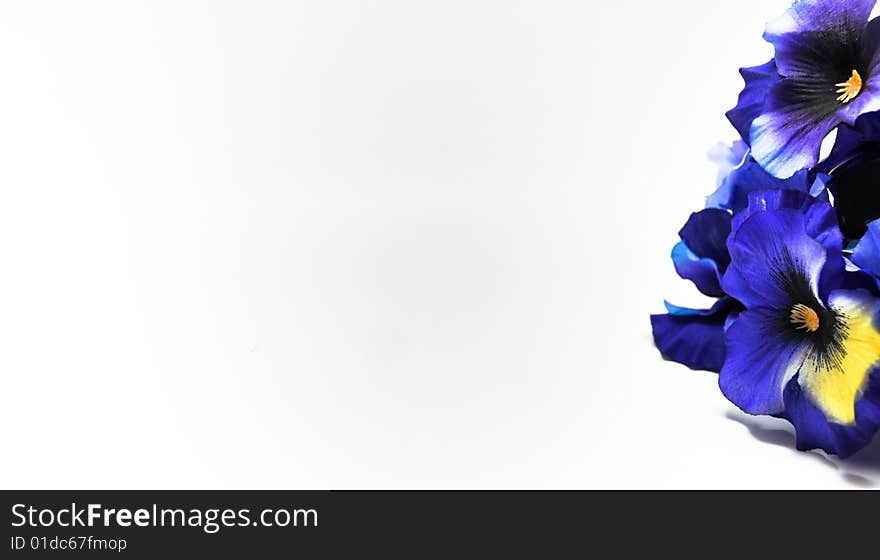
(807, 346)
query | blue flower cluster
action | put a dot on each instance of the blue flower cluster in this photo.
(789, 243)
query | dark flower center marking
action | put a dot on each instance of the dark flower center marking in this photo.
(803, 317)
(818, 331)
(850, 89)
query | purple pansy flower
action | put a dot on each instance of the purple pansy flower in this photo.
(824, 73)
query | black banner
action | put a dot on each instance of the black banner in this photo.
(153, 524)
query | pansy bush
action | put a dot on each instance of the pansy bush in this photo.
(789, 243)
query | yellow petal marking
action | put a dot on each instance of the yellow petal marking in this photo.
(836, 389)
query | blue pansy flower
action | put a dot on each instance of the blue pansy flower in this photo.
(824, 73)
(807, 346)
(694, 337)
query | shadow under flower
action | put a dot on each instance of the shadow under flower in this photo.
(862, 469)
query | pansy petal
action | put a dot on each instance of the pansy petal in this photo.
(705, 233)
(854, 165)
(814, 431)
(835, 384)
(678, 311)
(869, 60)
(853, 143)
(728, 158)
(758, 364)
(788, 135)
(758, 80)
(853, 184)
(855, 278)
(847, 17)
(866, 254)
(703, 273)
(820, 220)
(871, 45)
(733, 193)
(766, 245)
(694, 338)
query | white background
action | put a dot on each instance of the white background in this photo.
(389, 244)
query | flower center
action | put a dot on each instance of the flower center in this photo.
(850, 89)
(804, 317)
